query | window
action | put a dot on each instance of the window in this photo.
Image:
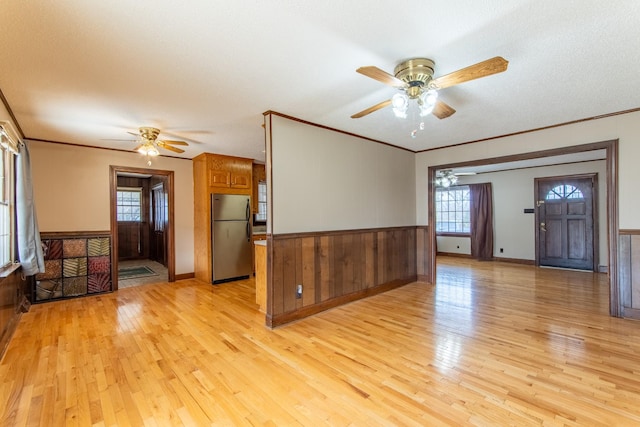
(261, 216)
(129, 204)
(6, 206)
(564, 192)
(453, 210)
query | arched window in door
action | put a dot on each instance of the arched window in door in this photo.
(564, 192)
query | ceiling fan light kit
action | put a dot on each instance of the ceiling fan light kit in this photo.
(400, 103)
(446, 179)
(148, 149)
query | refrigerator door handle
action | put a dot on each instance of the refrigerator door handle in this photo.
(248, 211)
(248, 232)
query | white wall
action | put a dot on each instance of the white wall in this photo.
(513, 191)
(625, 127)
(453, 244)
(71, 189)
(326, 180)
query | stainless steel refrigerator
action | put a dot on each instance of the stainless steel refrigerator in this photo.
(231, 237)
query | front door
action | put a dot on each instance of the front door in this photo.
(566, 231)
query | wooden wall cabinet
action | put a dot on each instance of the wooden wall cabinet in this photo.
(228, 172)
(226, 179)
(240, 180)
(219, 178)
(213, 173)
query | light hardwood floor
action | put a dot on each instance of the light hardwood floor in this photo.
(491, 344)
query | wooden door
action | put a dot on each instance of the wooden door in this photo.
(566, 230)
(158, 224)
(129, 240)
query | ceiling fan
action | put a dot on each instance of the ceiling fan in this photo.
(149, 142)
(447, 177)
(414, 79)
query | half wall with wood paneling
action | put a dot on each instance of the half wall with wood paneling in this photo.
(335, 268)
(341, 220)
(629, 272)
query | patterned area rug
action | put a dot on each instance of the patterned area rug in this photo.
(135, 272)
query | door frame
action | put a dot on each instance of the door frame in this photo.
(595, 214)
(611, 161)
(170, 237)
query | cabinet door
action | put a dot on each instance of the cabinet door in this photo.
(240, 180)
(219, 178)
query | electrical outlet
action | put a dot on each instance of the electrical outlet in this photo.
(299, 291)
(501, 250)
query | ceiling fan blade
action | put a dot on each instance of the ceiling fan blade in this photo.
(174, 149)
(472, 72)
(442, 110)
(168, 141)
(134, 133)
(162, 144)
(372, 109)
(381, 76)
(138, 147)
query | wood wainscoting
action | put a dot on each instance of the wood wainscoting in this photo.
(629, 272)
(423, 253)
(338, 267)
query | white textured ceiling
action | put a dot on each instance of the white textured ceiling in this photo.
(85, 72)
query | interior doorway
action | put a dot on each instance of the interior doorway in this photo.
(611, 160)
(566, 233)
(142, 225)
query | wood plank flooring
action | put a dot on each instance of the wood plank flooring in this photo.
(491, 344)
